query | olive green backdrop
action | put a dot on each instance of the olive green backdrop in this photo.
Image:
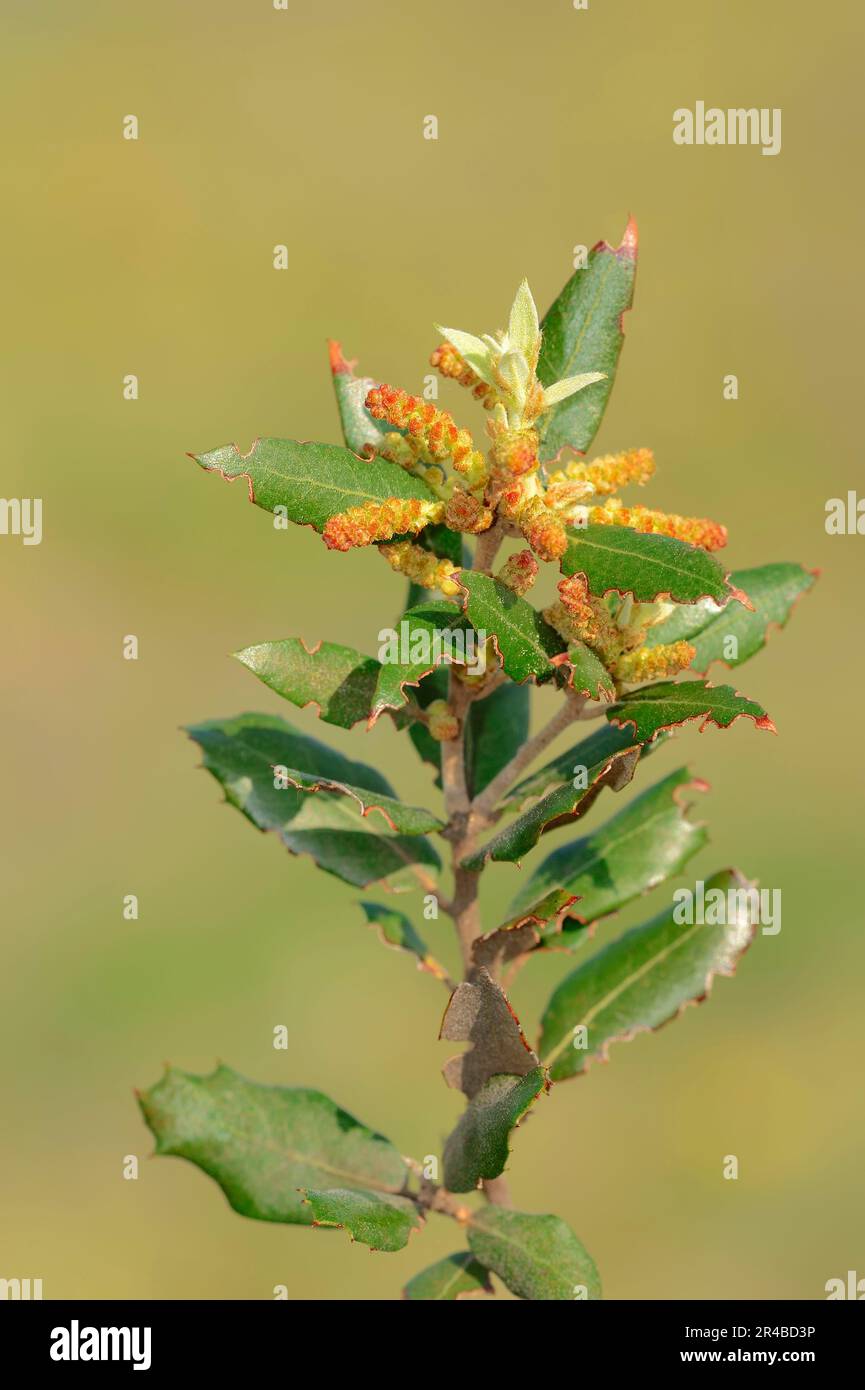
(154, 257)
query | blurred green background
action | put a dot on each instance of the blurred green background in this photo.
(154, 257)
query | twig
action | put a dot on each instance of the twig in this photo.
(484, 805)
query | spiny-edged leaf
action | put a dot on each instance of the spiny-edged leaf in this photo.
(602, 745)
(361, 432)
(585, 672)
(583, 333)
(479, 1013)
(523, 932)
(525, 643)
(405, 820)
(261, 1143)
(456, 1276)
(563, 804)
(338, 680)
(619, 559)
(496, 727)
(312, 481)
(650, 708)
(395, 930)
(427, 636)
(242, 753)
(646, 843)
(478, 1147)
(645, 978)
(773, 590)
(376, 1219)
(537, 1257)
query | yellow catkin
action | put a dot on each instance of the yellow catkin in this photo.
(379, 521)
(465, 512)
(698, 531)
(609, 473)
(544, 531)
(421, 566)
(654, 663)
(436, 429)
(519, 572)
(451, 364)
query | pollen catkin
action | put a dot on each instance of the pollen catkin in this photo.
(699, 531)
(451, 364)
(442, 724)
(379, 521)
(515, 452)
(607, 474)
(655, 663)
(544, 531)
(421, 566)
(434, 428)
(574, 594)
(465, 512)
(519, 572)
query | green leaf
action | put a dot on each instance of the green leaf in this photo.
(617, 559)
(242, 753)
(537, 1257)
(668, 704)
(361, 432)
(261, 1143)
(338, 680)
(523, 932)
(312, 481)
(423, 630)
(525, 643)
(582, 332)
(406, 820)
(602, 745)
(496, 727)
(376, 1219)
(456, 1276)
(395, 930)
(586, 673)
(645, 978)
(649, 841)
(432, 687)
(773, 590)
(563, 804)
(478, 1147)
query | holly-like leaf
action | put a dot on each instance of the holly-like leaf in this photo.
(479, 1145)
(523, 932)
(649, 841)
(456, 1276)
(537, 1257)
(363, 434)
(668, 704)
(429, 635)
(261, 1143)
(479, 1013)
(585, 672)
(406, 820)
(565, 803)
(396, 931)
(495, 728)
(601, 746)
(648, 976)
(242, 754)
(582, 332)
(733, 634)
(314, 482)
(524, 642)
(339, 681)
(377, 1219)
(617, 559)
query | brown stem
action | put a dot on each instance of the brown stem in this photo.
(497, 1192)
(487, 547)
(484, 805)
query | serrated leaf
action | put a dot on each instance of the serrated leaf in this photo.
(339, 681)
(479, 1146)
(376, 1219)
(642, 980)
(479, 1013)
(582, 332)
(523, 932)
(537, 1257)
(260, 1143)
(565, 803)
(774, 591)
(396, 930)
(651, 708)
(314, 482)
(456, 1276)
(496, 727)
(425, 630)
(602, 745)
(649, 841)
(617, 559)
(361, 432)
(405, 820)
(524, 642)
(242, 753)
(586, 673)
